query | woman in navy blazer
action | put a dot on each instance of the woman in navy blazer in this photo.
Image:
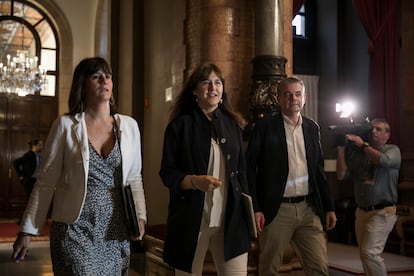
(203, 166)
(90, 154)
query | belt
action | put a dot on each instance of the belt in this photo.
(294, 199)
(376, 207)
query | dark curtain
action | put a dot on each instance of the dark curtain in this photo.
(297, 4)
(380, 20)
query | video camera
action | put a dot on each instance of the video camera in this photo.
(362, 129)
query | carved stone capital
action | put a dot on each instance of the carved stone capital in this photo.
(268, 71)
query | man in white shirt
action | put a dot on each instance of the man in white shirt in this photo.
(291, 197)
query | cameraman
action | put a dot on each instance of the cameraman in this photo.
(373, 167)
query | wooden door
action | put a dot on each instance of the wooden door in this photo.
(21, 120)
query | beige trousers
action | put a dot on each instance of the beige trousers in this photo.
(372, 229)
(294, 223)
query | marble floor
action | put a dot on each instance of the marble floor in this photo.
(38, 262)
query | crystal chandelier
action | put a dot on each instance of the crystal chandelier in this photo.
(22, 75)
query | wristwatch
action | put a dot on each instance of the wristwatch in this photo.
(365, 144)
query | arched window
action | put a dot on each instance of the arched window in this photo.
(28, 44)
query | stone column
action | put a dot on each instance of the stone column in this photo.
(103, 30)
(269, 61)
(212, 30)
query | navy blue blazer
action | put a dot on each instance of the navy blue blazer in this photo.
(187, 143)
(25, 166)
(267, 166)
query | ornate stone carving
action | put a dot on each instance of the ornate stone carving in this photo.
(268, 71)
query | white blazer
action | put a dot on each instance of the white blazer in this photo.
(64, 171)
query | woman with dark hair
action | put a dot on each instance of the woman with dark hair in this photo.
(90, 154)
(204, 168)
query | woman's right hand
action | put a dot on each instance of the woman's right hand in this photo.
(206, 183)
(21, 247)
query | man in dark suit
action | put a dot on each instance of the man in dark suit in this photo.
(27, 166)
(291, 196)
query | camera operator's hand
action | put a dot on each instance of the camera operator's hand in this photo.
(339, 140)
(355, 139)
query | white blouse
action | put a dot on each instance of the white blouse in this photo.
(215, 201)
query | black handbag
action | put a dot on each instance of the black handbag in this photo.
(129, 204)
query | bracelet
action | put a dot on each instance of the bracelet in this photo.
(192, 183)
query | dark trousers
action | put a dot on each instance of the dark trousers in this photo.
(28, 184)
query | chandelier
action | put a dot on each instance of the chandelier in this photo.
(22, 75)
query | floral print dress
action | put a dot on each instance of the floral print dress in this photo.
(98, 242)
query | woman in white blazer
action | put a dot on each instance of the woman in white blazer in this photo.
(90, 154)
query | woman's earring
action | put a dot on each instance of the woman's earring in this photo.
(221, 101)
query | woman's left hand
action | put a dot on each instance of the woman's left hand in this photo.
(141, 224)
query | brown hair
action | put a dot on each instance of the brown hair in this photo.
(185, 102)
(34, 142)
(86, 68)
